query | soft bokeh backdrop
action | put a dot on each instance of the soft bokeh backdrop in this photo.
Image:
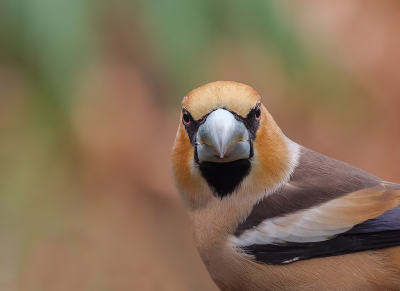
(90, 96)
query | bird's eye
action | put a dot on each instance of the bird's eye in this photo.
(186, 118)
(258, 114)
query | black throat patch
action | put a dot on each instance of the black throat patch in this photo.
(224, 178)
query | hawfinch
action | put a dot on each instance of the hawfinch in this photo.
(270, 214)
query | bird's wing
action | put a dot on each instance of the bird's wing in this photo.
(327, 208)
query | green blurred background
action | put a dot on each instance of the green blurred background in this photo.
(90, 97)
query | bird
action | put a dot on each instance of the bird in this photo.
(270, 214)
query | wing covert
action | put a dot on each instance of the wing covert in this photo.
(327, 208)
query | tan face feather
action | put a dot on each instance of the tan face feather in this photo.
(187, 178)
(271, 162)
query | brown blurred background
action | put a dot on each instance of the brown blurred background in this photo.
(90, 96)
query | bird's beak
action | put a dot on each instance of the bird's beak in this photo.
(222, 138)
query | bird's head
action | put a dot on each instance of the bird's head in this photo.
(227, 140)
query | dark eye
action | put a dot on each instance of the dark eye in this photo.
(186, 118)
(258, 114)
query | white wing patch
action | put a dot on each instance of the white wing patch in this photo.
(312, 225)
(300, 227)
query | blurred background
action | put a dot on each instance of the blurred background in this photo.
(90, 96)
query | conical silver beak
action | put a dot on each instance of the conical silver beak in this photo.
(222, 138)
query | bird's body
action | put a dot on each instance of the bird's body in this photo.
(269, 214)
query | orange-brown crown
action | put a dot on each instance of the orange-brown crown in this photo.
(236, 97)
